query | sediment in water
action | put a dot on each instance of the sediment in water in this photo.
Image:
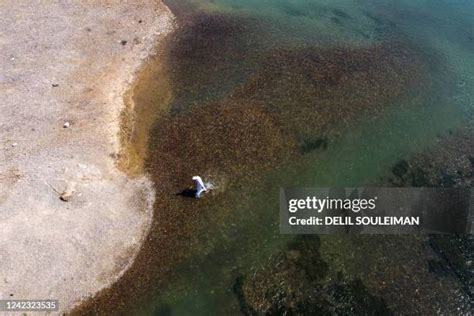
(252, 123)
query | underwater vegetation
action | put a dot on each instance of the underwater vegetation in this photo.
(243, 105)
(293, 284)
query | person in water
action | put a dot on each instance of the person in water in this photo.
(200, 187)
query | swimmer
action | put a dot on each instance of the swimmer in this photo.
(200, 187)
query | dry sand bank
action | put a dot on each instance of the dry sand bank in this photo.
(69, 62)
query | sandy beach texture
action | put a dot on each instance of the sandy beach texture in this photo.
(65, 67)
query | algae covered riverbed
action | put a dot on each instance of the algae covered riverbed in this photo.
(255, 95)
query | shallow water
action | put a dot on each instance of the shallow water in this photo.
(226, 53)
(295, 93)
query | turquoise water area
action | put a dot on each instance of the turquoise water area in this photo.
(361, 154)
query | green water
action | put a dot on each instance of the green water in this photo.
(362, 154)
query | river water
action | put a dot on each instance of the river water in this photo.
(268, 93)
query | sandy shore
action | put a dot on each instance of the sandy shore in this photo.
(69, 62)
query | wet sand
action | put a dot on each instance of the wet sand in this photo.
(65, 70)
